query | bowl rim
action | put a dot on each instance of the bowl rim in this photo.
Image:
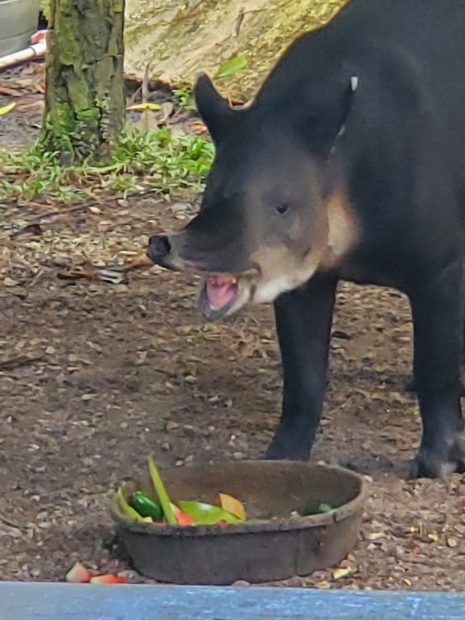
(331, 517)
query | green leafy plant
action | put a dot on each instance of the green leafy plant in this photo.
(231, 67)
(184, 97)
(156, 159)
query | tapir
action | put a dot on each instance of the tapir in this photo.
(347, 165)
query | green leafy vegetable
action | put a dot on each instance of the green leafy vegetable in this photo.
(125, 508)
(206, 514)
(161, 492)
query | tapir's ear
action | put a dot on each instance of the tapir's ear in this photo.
(215, 111)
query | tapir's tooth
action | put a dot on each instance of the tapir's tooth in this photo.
(221, 279)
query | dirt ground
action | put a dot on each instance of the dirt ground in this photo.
(96, 375)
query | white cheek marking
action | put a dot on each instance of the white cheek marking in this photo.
(282, 272)
(269, 291)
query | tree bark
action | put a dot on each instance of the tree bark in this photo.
(84, 99)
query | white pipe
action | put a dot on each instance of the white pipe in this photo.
(33, 51)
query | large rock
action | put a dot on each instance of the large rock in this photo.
(181, 37)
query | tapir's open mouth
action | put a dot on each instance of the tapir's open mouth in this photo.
(219, 294)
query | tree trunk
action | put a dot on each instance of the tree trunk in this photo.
(84, 99)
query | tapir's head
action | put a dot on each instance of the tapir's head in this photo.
(271, 215)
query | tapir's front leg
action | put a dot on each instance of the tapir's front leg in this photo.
(437, 309)
(303, 320)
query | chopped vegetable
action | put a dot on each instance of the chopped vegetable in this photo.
(7, 108)
(142, 507)
(108, 579)
(145, 505)
(125, 508)
(181, 517)
(161, 492)
(232, 505)
(206, 514)
(78, 574)
(341, 572)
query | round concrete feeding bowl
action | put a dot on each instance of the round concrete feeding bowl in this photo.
(270, 545)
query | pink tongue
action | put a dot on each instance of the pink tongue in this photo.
(219, 296)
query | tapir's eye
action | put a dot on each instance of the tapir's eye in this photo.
(282, 208)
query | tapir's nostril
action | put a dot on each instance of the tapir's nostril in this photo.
(159, 246)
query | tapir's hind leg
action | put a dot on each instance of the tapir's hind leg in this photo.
(437, 309)
(410, 385)
(303, 321)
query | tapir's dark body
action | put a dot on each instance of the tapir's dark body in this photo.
(349, 164)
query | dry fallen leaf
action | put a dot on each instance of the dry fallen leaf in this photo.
(94, 274)
(7, 108)
(20, 360)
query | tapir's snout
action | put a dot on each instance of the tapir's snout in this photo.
(160, 250)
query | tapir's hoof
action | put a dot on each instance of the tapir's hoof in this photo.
(283, 450)
(441, 463)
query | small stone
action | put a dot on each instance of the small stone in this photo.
(171, 426)
(86, 397)
(179, 208)
(45, 525)
(241, 583)
(129, 575)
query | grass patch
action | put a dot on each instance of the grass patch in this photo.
(157, 160)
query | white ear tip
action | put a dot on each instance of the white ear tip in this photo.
(354, 83)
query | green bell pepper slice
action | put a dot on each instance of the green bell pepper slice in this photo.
(206, 514)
